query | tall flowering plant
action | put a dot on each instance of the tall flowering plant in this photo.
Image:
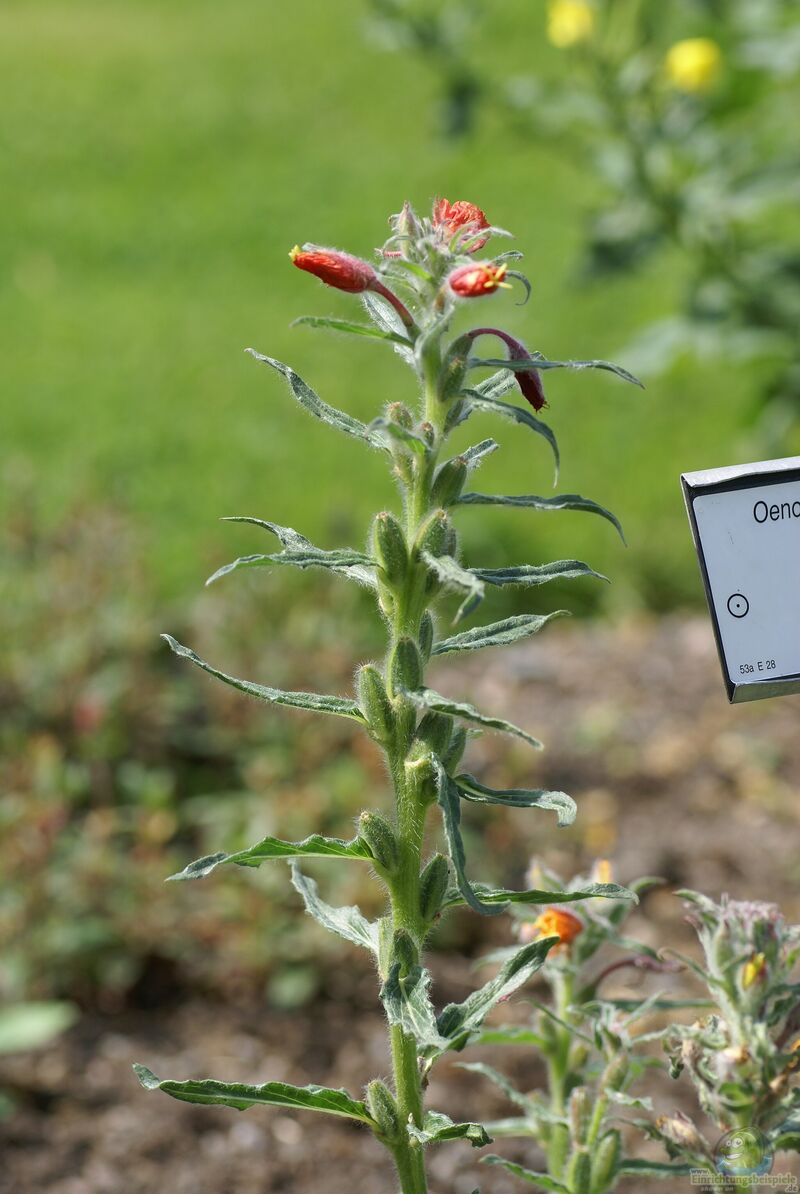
(426, 269)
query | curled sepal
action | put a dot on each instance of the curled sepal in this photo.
(564, 501)
(438, 1128)
(592, 891)
(527, 575)
(449, 800)
(315, 701)
(271, 848)
(426, 698)
(353, 329)
(497, 634)
(450, 573)
(348, 922)
(558, 802)
(458, 1021)
(542, 1180)
(240, 1096)
(477, 401)
(312, 402)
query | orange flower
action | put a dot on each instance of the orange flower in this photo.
(557, 922)
(336, 269)
(473, 281)
(451, 218)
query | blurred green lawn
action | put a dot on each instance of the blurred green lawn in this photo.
(160, 158)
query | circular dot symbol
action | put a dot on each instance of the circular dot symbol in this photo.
(738, 605)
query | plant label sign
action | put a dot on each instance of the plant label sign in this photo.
(746, 526)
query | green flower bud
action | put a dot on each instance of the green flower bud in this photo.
(579, 1173)
(605, 1162)
(398, 412)
(426, 636)
(458, 743)
(404, 952)
(580, 1112)
(374, 702)
(436, 535)
(449, 481)
(381, 839)
(434, 732)
(383, 1109)
(616, 1072)
(558, 1149)
(422, 778)
(389, 546)
(433, 884)
(405, 666)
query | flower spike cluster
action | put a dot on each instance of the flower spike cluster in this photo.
(411, 561)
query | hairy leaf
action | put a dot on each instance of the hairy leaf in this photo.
(402, 435)
(528, 1175)
(408, 1004)
(526, 363)
(458, 1020)
(274, 696)
(354, 329)
(489, 895)
(314, 404)
(489, 404)
(426, 698)
(564, 501)
(449, 801)
(496, 386)
(514, 1035)
(558, 802)
(438, 1128)
(536, 574)
(478, 452)
(654, 1168)
(348, 922)
(302, 553)
(497, 634)
(271, 848)
(451, 574)
(269, 1094)
(384, 316)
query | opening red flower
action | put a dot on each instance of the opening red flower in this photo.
(473, 281)
(451, 218)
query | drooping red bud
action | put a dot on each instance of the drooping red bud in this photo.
(528, 380)
(340, 270)
(450, 218)
(474, 281)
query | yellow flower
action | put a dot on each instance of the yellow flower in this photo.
(694, 64)
(754, 970)
(569, 22)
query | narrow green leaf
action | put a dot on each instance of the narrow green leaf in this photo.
(558, 802)
(453, 576)
(510, 1126)
(564, 501)
(438, 1128)
(477, 401)
(654, 1168)
(489, 895)
(271, 848)
(526, 363)
(501, 1081)
(497, 634)
(314, 404)
(348, 922)
(270, 1094)
(476, 455)
(514, 1035)
(384, 316)
(353, 329)
(426, 698)
(408, 1004)
(527, 575)
(315, 701)
(449, 801)
(458, 1020)
(528, 1175)
(496, 386)
(342, 559)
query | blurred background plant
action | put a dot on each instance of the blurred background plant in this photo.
(684, 113)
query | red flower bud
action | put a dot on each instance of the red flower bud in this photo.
(473, 281)
(451, 218)
(528, 380)
(336, 269)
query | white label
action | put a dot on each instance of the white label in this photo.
(751, 546)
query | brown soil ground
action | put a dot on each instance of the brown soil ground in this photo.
(670, 780)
